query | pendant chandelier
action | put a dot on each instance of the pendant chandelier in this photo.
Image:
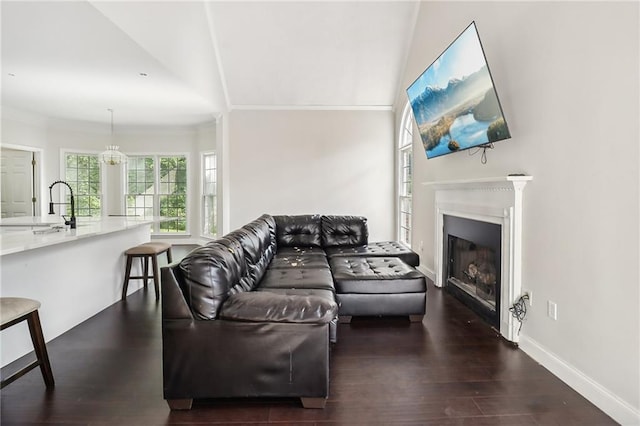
(112, 156)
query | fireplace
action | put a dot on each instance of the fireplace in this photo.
(472, 255)
(497, 202)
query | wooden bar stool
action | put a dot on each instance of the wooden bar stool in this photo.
(14, 310)
(145, 252)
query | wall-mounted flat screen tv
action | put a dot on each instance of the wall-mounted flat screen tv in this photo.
(454, 101)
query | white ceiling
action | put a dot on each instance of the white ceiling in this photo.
(73, 60)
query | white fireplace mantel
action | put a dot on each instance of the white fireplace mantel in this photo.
(494, 200)
(506, 182)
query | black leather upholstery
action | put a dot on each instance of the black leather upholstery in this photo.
(233, 246)
(259, 248)
(401, 304)
(298, 231)
(344, 231)
(376, 275)
(383, 248)
(252, 313)
(270, 307)
(323, 293)
(298, 278)
(227, 359)
(306, 261)
(298, 251)
(378, 286)
(208, 273)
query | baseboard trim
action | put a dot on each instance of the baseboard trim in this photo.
(620, 410)
(428, 272)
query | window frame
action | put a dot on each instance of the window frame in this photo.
(204, 194)
(156, 196)
(404, 187)
(65, 208)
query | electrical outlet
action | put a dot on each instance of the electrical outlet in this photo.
(529, 294)
(552, 310)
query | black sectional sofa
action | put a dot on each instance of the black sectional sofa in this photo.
(252, 314)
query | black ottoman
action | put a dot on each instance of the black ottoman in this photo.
(378, 286)
(379, 249)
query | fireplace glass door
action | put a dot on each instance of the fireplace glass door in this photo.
(472, 268)
(472, 258)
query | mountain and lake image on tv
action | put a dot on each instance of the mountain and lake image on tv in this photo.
(454, 101)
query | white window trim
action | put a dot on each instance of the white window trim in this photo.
(156, 155)
(405, 120)
(63, 172)
(202, 194)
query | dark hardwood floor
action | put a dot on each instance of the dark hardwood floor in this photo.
(450, 370)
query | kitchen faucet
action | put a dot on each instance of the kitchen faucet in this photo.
(72, 220)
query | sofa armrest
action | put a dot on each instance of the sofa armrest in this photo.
(174, 304)
(270, 307)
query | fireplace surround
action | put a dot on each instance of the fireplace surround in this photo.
(495, 200)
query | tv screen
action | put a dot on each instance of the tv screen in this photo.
(454, 101)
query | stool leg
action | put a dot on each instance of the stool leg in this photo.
(146, 269)
(169, 258)
(127, 274)
(156, 275)
(40, 348)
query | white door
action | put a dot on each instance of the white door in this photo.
(16, 177)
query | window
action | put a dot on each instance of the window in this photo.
(82, 173)
(141, 186)
(157, 186)
(209, 195)
(405, 177)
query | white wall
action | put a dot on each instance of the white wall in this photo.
(567, 76)
(301, 162)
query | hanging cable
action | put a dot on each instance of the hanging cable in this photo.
(483, 157)
(519, 309)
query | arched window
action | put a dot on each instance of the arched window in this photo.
(405, 176)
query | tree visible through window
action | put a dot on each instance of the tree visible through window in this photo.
(141, 186)
(405, 177)
(209, 195)
(157, 186)
(82, 173)
(173, 193)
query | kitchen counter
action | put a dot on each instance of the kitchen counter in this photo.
(74, 273)
(19, 234)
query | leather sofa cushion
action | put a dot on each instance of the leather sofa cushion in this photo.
(325, 294)
(270, 307)
(297, 278)
(265, 226)
(298, 231)
(297, 251)
(259, 248)
(383, 249)
(298, 261)
(234, 247)
(208, 273)
(271, 223)
(376, 275)
(344, 231)
(257, 241)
